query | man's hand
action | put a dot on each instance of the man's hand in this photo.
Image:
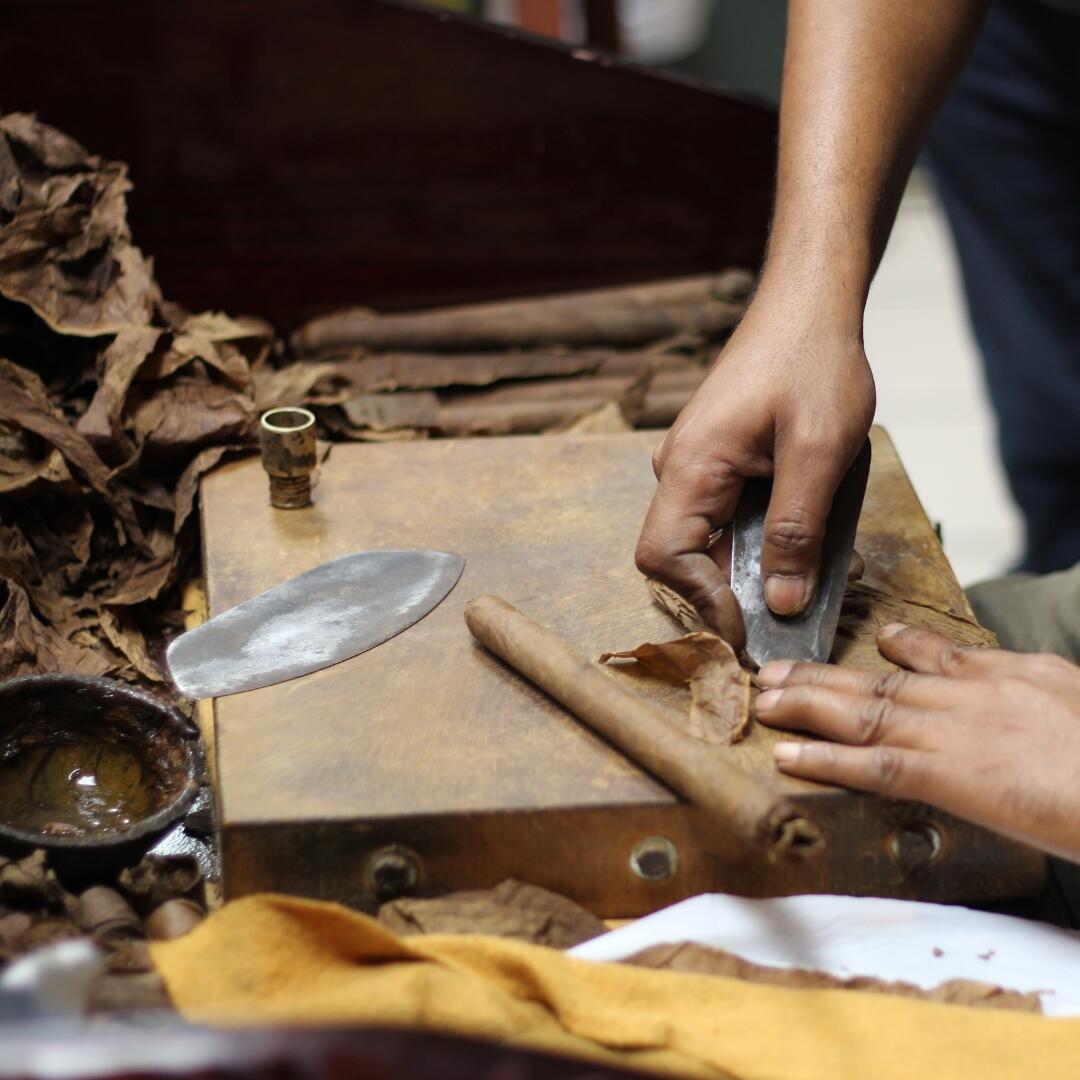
(991, 736)
(784, 400)
(791, 395)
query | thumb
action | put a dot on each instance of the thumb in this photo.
(805, 480)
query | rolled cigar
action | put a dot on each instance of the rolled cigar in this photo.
(746, 807)
(625, 316)
(103, 912)
(174, 919)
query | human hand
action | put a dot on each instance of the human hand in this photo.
(988, 735)
(789, 397)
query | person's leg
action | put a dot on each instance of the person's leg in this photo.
(1005, 157)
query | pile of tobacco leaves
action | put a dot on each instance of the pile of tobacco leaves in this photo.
(112, 403)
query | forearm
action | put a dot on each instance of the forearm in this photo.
(863, 80)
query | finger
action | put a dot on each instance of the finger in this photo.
(672, 548)
(923, 650)
(846, 718)
(805, 480)
(883, 770)
(901, 687)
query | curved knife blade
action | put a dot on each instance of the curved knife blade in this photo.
(331, 613)
(809, 636)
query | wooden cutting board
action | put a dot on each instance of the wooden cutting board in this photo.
(426, 758)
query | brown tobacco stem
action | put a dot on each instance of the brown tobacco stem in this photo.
(745, 807)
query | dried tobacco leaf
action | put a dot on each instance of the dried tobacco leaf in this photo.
(512, 909)
(47, 931)
(120, 363)
(295, 385)
(157, 878)
(682, 611)
(31, 883)
(29, 646)
(19, 407)
(689, 956)
(189, 413)
(119, 626)
(65, 249)
(719, 687)
(230, 346)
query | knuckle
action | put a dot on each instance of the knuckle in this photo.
(955, 659)
(707, 481)
(653, 559)
(658, 462)
(810, 674)
(872, 721)
(886, 684)
(793, 534)
(825, 754)
(887, 767)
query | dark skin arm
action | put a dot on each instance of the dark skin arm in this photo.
(791, 395)
(988, 735)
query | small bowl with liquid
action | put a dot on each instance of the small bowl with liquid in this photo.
(89, 764)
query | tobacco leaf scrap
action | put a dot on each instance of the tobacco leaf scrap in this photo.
(512, 909)
(700, 959)
(682, 611)
(65, 249)
(719, 687)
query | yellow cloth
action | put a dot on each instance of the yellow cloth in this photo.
(274, 959)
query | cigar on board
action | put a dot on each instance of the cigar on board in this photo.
(746, 807)
(624, 315)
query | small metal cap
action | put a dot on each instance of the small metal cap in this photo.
(287, 440)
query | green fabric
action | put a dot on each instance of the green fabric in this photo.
(1032, 612)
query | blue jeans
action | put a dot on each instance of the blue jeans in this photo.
(1005, 157)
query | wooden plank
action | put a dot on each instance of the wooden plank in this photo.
(293, 158)
(429, 742)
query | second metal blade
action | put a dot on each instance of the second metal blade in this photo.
(329, 614)
(809, 636)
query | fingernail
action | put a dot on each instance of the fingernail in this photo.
(775, 672)
(785, 753)
(768, 700)
(785, 595)
(891, 630)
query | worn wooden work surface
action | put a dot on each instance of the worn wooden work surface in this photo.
(429, 742)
